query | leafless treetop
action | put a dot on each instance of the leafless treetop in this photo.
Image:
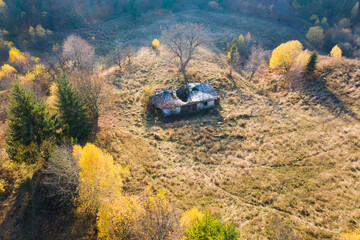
(183, 42)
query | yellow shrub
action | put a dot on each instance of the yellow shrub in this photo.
(117, 217)
(351, 236)
(336, 52)
(190, 217)
(39, 69)
(315, 35)
(99, 177)
(285, 54)
(38, 73)
(2, 4)
(16, 56)
(2, 186)
(28, 77)
(155, 44)
(6, 70)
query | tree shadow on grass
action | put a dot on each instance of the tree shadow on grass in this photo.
(318, 93)
(34, 215)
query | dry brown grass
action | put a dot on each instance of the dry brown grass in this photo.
(281, 164)
(281, 154)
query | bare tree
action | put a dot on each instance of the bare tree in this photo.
(183, 42)
(118, 57)
(129, 53)
(79, 53)
(90, 88)
(62, 174)
(123, 56)
(257, 57)
(159, 219)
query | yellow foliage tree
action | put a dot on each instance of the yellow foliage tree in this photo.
(315, 35)
(99, 177)
(7, 70)
(52, 99)
(16, 56)
(117, 217)
(190, 217)
(155, 44)
(38, 73)
(285, 54)
(336, 52)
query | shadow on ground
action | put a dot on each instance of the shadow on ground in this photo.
(34, 215)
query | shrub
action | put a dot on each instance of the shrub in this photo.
(190, 217)
(6, 70)
(311, 66)
(155, 44)
(350, 236)
(315, 35)
(209, 228)
(2, 186)
(336, 52)
(285, 54)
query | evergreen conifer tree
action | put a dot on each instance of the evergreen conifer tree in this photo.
(30, 125)
(73, 115)
(311, 66)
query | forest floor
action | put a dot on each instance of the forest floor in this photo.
(277, 162)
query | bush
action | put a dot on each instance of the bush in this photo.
(336, 52)
(315, 35)
(350, 236)
(209, 228)
(155, 44)
(285, 54)
(190, 217)
(2, 186)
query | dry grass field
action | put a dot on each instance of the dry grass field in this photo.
(281, 164)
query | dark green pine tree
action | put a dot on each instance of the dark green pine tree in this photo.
(73, 115)
(311, 66)
(30, 126)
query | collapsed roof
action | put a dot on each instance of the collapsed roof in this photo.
(197, 92)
